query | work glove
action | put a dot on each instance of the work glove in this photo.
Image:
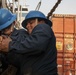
(5, 44)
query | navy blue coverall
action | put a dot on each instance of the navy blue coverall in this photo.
(39, 53)
(12, 58)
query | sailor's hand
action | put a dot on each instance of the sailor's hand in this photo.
(5, 44)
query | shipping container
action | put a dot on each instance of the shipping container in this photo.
(64, 27)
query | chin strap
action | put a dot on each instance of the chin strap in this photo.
(0, 41)
(36, 21)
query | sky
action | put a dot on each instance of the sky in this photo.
(65, 7)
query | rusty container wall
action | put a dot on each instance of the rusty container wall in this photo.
(64, 27)
(75, 46)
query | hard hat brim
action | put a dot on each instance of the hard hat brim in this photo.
(9, 22)
(24, 23)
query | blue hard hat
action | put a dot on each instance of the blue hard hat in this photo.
(35, 14)
(6, 18)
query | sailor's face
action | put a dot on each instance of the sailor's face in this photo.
(30, 25)
(8, 30)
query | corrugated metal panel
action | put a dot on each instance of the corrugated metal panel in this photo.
(64, 27)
